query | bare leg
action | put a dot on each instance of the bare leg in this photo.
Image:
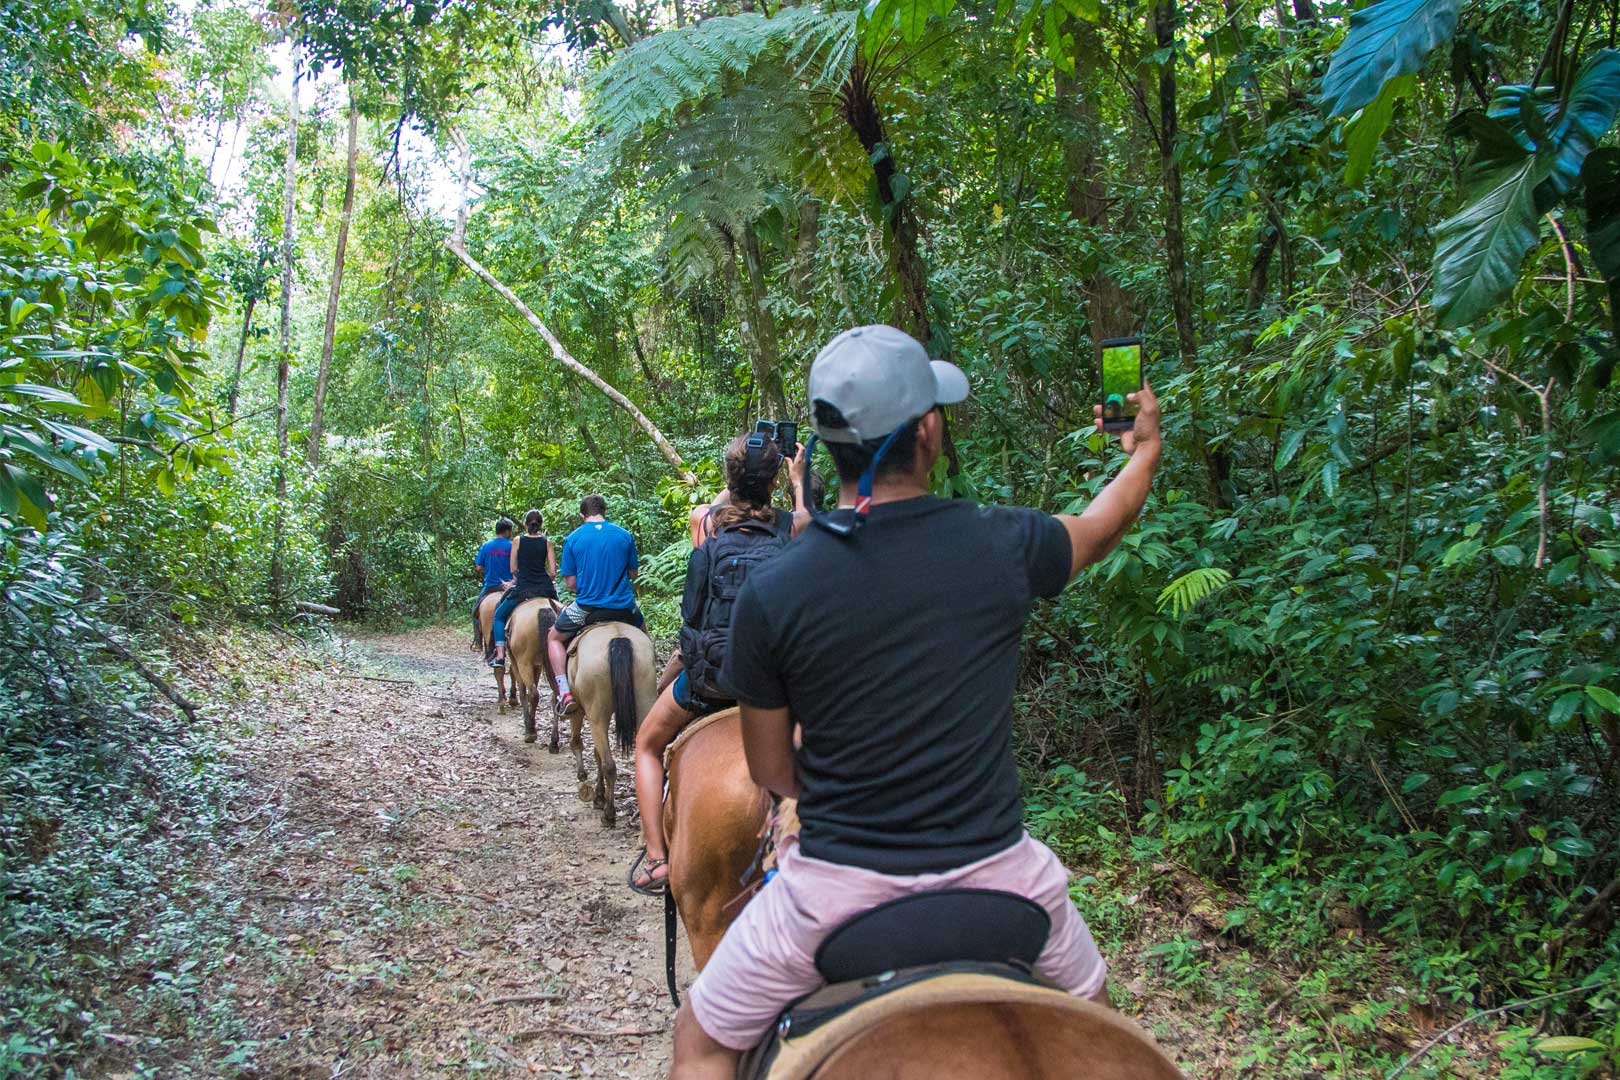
(698, 1057)
(664, 721)
(557, 652)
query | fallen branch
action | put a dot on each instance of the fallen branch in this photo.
(371, 678)
(315, 609)
(585, 1033)
(522, 999)
(1512, 1006)
(162, 685)
(457, 243)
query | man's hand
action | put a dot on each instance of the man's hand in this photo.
(1145, 428)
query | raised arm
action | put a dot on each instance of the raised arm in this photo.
(1095, 532)
(801, 512)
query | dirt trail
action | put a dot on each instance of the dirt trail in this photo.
(443, 901)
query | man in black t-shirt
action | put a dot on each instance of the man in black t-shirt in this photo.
(890, 635)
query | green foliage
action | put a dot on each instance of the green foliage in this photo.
(106, 302)
(1480, 249)
(1387, 39)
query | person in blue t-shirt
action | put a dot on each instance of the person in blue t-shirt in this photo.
(599, 563)
(495, 560)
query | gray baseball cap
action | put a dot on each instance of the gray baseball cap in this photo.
(878, 378)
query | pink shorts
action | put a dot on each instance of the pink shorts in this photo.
(767, 958)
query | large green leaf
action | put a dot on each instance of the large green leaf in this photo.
(1600, 176)
(1537, 122)
(1365, 129)
(1481, 247)
(1386, 40)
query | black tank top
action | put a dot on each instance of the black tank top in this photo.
(532, 578)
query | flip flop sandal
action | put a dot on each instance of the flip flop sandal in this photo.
(656, 886)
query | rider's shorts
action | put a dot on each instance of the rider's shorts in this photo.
(575, 618)
(767, 958)
(692, 702)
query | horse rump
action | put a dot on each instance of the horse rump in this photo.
(547, 618)
(622, 677)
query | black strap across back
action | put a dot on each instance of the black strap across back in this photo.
(982, 925)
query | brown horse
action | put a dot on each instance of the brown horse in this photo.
(610, 668)
(527, 662)
(714, 815)
(507, 697)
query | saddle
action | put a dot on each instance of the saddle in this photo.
(918, 953)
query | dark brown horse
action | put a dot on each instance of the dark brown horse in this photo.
(714, 815)
(505, 693)
(526, 659)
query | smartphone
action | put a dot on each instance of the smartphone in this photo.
(787, 437)
(1121, 377)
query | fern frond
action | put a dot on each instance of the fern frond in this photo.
(1184, 593)
(651, 82)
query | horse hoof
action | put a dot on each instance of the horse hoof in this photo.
(530, 737)
(586, 792)
(554, 748)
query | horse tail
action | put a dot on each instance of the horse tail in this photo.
(547, 619)
(622, 675)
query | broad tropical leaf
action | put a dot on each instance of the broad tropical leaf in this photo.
(1537, 122)
(1184, 593)
(1386, 40)
(1363, 132)
(1482, 246)
(1600, 175)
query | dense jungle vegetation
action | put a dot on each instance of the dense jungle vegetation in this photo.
(295, 300)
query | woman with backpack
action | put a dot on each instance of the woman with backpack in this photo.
(741, 531)
(534, 568)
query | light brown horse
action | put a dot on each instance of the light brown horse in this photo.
(610, 669)
(506, 695)
(527, 663)
(714, 815)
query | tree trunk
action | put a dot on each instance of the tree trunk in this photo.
(1109, 309)
(768, 350)
(318, 417)
(247, 326)
(457, 243)
(284, 357)
(905, 258)
(1175, 245)
(804, 250)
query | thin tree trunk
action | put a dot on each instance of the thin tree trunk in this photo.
(804, 250)
(318, 417)
(247, 326)
(768, 352)
(284, 359)
(457, 243)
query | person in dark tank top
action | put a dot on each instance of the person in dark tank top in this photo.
(534, 570)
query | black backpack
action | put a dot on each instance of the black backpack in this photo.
(732, 555)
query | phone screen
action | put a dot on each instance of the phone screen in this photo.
(787, 437)
(1121, 377)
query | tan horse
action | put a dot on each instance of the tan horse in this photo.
(610, 669)
(714, 815)
(506, 695)
(527, 662)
